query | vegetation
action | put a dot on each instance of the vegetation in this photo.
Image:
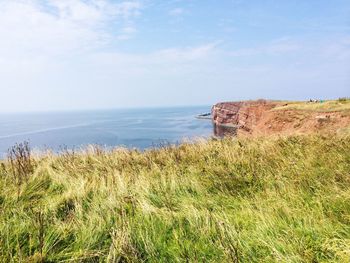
(344, 99)
(257, 200)
(342, 104)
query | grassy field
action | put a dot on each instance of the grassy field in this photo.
(257, 200)
(342, 104)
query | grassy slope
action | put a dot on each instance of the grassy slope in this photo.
(263, 200)
(325, 106)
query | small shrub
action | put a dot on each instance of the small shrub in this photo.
(21, 163)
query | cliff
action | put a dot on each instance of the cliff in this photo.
(263, 117)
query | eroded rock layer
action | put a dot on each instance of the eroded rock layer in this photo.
(243, 114)
(262, 117)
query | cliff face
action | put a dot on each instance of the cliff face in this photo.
(262, 117)
(243, 114)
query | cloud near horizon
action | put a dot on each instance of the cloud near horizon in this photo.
(75, 54)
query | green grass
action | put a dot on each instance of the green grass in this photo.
(342, 104)
(257, 200)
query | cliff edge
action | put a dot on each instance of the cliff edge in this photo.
(264, 117)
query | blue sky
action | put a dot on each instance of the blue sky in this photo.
(95, 54)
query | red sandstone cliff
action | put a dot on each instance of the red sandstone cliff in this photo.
(261, 118)
(243, 114)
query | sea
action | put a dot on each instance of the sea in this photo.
(131, 128)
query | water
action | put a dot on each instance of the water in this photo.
(140, 128)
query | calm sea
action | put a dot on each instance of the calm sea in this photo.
(140, 128)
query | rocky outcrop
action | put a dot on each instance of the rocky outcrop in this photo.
(242, 114)
(226, 113)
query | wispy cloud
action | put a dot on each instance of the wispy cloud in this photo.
(278, 46)
(177, 11)
(186, 54)
(60, 26)
(163, 59)
(127, 32)
(128, 9)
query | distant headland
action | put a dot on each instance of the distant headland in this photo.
(267, 117)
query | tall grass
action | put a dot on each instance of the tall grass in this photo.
(261, 200)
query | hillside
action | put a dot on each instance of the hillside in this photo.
(244, 200)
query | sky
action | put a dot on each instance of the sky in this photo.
(101, 54)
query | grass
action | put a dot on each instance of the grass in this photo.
(257, 200)
(342, 104)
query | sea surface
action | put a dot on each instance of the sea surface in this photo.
(132, 128)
